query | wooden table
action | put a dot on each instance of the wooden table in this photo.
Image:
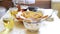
(38, 3)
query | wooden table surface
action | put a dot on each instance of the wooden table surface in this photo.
(38, 3)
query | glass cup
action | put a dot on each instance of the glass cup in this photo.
(8, 23)
(32, 26)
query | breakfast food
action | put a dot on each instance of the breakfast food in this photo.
(23, 15)
(32, 21)
(31, 14)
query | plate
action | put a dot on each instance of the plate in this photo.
(44, 30)
(45, 12)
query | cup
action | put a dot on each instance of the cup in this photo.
(8, 23)
(31, 26)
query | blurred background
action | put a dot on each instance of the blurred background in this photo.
(38, 3)
(47, 4)
(55, 4)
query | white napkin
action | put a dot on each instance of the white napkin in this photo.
(2, 11)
